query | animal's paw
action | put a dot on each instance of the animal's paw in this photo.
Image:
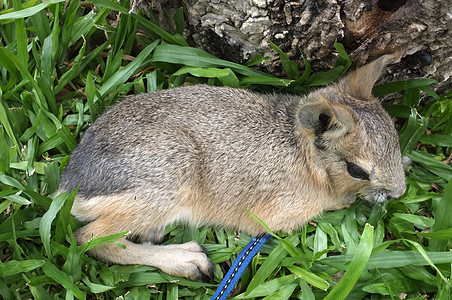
(189, 260)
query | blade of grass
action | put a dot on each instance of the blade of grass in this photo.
(41, 293)
(310, 277)
(307, 71)
(47, 75)
(178, 19)
(424, 254)
(441, 209)
(289, 66)
(4, 120)
(394, 87)
(445, 234)
(441, 140)
(30, 11)
(198, 58)
(429, 91)
(17, 199)
(357, 265)
(274, 81)
(8, 180)
(288, 245)
(121, 32)
(420, 220)
(268, 288)
(83, 26)
(62, 278)
(437, 167)
(202, 72)
(28, 4)
(65, 134)
(230, 79)
(73, 264)
(411, 97)
(320, 241)
(21, 35)
(270, 264)
(306, 291)
(324, 78)
(125, 73)
(90, 91)
(393, 259)
(67, 28)
(8, 55)
(14, 267)
(343, 58)
(284, 292)
(412, 131)
(9, 65)
(173, 39)
(130, 39)
(72, 72)
(46, 222)
(41, 24)
(113, 64)
(95, 287)
(104, 239)
(50, 143)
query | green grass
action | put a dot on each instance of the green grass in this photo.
(62, 64)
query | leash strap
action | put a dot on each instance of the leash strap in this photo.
(238, 267)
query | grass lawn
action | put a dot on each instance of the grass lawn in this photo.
(62, 63)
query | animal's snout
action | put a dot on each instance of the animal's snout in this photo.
(394, 194)
(382, 195)
(391, 196)
(396, 187)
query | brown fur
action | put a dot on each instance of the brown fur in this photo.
(203, 155)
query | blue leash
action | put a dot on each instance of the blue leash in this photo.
(239, 266)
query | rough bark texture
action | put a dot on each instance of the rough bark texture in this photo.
(239, 29)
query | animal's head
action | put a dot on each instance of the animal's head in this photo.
(355, 138)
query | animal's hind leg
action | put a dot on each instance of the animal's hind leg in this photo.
(186, 260)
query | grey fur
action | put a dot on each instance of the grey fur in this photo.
(203, 155)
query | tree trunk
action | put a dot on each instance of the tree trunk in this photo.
(237, 30)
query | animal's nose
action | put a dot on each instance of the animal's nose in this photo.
(390, 197)
(394, 194)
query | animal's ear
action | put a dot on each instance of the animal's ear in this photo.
(320, 117)
(359, 83)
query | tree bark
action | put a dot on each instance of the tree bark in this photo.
(237, 30)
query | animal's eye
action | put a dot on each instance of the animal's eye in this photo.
(356, 171)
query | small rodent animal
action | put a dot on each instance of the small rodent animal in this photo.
(203, 155)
